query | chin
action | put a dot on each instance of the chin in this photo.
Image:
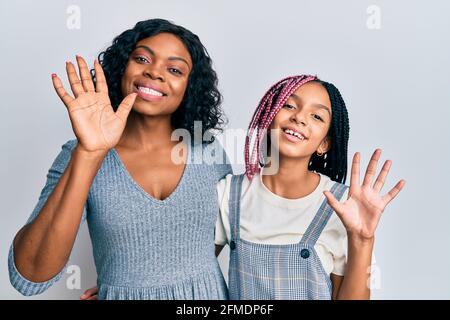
(147, 109)
(292, 151)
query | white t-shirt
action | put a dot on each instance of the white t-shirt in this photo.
(270, 219)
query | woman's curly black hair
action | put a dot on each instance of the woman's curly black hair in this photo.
(202, 99)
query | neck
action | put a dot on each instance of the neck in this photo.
(147, 132)
(292, 180)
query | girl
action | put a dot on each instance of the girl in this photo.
(285, 240)
(150, 219)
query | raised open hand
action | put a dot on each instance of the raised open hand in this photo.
(94, 122)
(362, 210)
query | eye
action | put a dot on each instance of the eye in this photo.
(140, 59)
(175, 71)
(317, 117)
(288, 106)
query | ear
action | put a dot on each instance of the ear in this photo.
(325, 145)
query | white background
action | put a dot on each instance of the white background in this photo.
(395, 81)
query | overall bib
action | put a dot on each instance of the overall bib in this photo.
(278, 272)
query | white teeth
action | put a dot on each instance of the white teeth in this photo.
(150, 91)
(293, 133)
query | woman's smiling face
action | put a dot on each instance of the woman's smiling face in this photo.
(303, 122)
(158, 71)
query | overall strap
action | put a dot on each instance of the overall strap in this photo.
(234, 202)
(322, 216)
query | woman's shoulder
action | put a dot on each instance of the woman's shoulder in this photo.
(70, 144)
(213, 149)
(213, 157)
(64, 154)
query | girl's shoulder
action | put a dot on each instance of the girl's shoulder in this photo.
(326, 184)
(224, 188)
(227, 182)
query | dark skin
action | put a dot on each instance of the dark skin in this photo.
(162, 60)
(138, 129)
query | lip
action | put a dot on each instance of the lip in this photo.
(291, 138)
(146, 96)
(305, 137)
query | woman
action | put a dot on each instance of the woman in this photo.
(151, 219)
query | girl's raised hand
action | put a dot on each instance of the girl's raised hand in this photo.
(94, 122)
(362, 210)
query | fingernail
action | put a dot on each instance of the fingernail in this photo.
(95, 61)
(53, 75)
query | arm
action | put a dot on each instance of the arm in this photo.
(360, 214)
(43, 246)
(355, 283)
(336, 282)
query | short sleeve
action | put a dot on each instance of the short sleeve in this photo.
(340, 247)
(340, 257)
(222, 231)
(20, 283)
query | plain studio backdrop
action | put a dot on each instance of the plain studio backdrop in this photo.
(390, 59)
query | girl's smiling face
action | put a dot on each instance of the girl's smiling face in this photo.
(303, 122)
(158, 71)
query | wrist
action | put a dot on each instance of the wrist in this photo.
(360, 240)
(90, 155)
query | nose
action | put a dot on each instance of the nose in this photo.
(153, 71)
(299, 118)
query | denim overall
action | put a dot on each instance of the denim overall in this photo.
(278, 272)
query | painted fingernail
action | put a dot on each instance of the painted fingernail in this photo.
(53, 75)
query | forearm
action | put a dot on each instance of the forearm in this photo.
(356, 281)
(42, 248)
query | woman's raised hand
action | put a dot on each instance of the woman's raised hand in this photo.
(94, 122)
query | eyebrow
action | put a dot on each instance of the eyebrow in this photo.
(151, 52)
(318, 105)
